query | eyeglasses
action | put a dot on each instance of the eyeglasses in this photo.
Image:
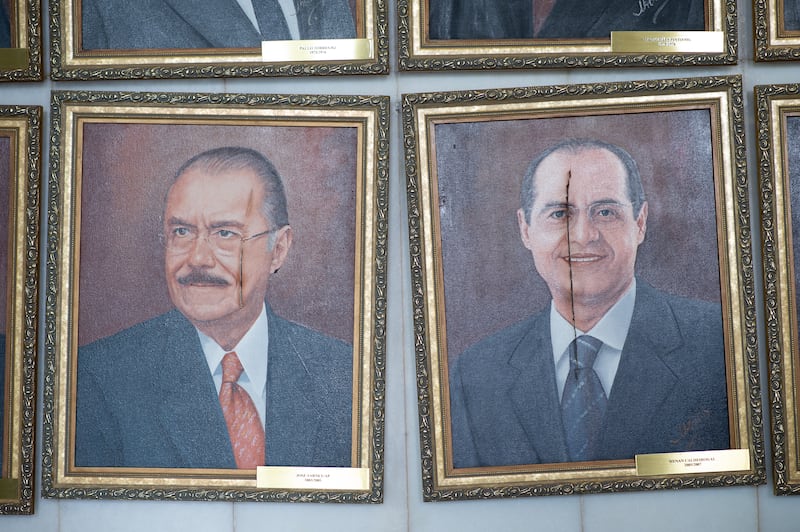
(223, 242)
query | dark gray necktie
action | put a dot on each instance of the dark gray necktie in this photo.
(271, 21)
(583, 403)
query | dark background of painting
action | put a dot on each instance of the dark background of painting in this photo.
(127, 169)
(490, 281)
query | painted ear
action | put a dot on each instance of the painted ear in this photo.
(641, 222)
(280, 249)
(524, 229)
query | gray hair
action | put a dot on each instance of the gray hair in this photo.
(237, 158)
(634, 180)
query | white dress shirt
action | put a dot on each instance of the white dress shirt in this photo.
(252, 351)
(289, 13)
(612, 330)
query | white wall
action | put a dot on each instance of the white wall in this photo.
(731, 509)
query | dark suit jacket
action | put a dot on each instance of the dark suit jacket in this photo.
(5, 27)
(669, 393)
(137, 24)
(577, 19)
(147, 399)
(791, 15)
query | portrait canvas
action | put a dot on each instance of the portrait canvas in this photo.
(580, 287)
(476, 34)
(779, 183)
(227, 38)
(19, 218)
(185, 230)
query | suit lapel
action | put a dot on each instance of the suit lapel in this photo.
(221, 22)
(292, 418)
(644, 377)
(534, 394)
(190, 415)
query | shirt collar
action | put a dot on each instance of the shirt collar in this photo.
(252, 351)
(612, 329)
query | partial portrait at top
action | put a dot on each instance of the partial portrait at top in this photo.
(560, 19)
(163, 24)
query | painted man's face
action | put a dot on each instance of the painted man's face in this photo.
(592, 237)
(216, 277)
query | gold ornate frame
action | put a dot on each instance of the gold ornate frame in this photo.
(773, 42)
(22, 126)
(776, 104)
(368, 54)
(23, 61)
(203, 121)
(418, 52)
(434, 260)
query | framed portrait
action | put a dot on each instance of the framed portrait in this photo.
(100, 39)
(776, 30)
(20, 144)
(583, 307)
(216, 301)
(20, 40)
(481, 35)
(778, 113)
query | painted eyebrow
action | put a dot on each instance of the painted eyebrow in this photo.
(562, 205)
(214, 225)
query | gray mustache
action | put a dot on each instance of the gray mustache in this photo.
(199, 277)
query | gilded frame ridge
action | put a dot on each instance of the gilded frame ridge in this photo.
(772, 40)
(363, 122)
(776, 105)
(22, 125)
(418, 52)
(27, 40)
(427, 116)
(70, 63)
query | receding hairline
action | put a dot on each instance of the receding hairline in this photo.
(577, 146)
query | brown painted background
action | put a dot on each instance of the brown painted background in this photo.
(490, 281)
(127, 169)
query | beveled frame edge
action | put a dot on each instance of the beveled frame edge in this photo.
(406, 60)
(188, 70)
(33, 72)
(33, 115)
(781, 438)
(763, 50)
(732, 84)
(381, 106)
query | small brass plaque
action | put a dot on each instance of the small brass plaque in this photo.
(707, 42)
(693, 462)
(9, 488)
(13, 58)
(313, 478)
(317, 50)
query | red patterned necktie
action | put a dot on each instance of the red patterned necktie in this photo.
(241, 416)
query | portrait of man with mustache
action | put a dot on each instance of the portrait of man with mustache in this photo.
(219, 381)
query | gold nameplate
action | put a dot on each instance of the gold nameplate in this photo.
(708, 42)
(9, 488)
(313, 478)
(13, 58)
(317, 50)
(693, 462)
